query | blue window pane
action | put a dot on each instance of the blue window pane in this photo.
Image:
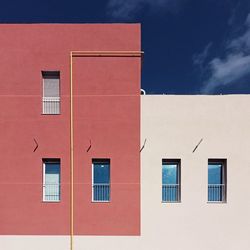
(101, 172)
(169, 173)
(215, 181)
(52, 173)
(101, 178)
(215, 173)
(52, 181)
(170, 182)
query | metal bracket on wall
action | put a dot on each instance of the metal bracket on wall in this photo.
(143, 145)
(197, 145)
(36, 145)
(90, 145)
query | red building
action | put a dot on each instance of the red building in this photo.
(49, 133)
(70, 122)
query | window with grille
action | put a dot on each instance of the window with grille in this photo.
(51, 92)
(101, 180)
(51, 180)
(217, 177)
(171, 189)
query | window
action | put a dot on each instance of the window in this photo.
(171, 180)
(101, 180)
(217, 180)
(51, 180)
(51, 95)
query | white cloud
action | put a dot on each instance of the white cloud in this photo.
(234, 66)
(248, 20)
(224, 72)
(242, 42)
(127, 9)
(199, 59)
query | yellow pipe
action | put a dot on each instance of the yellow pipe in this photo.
(107, 53)
(72, 54)
(71, 156)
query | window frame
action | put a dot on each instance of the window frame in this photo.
(44, 162)
(94, 160)
(176, 162)
(223, 163)
(57, 75)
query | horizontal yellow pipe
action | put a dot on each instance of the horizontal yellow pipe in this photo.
(107, 53)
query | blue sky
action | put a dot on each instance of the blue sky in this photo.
(191, 46)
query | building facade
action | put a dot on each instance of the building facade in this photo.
(89, 163)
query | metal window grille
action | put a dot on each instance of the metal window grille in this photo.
(216, 192)
(51, 192)
(101, 192)
(170, 192)
(51, 105)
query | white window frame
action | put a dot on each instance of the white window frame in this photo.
(45, 161)
(92, 185)
(55, 100)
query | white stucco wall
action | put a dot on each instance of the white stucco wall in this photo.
(173, 125)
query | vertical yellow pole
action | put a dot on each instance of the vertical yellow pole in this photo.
(83, 53)
(71, 156)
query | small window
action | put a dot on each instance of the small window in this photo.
(51, 92)
(51, 180)
(217, 174)
(101, 180)
(171, 190)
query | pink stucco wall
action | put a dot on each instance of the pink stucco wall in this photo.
(106, 111)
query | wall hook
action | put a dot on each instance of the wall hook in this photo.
(90, 145)
(198, 145)
(143, 145)
(36, 145)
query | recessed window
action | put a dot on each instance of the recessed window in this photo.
(171, 190)
(101, 180)
(51, 180)
(217, 178)
(51, 92)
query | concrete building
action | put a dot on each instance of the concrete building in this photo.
(88, 163)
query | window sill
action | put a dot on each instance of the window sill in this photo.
(100, 201)
(170, 202)
(216, 202)
(51, 201)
